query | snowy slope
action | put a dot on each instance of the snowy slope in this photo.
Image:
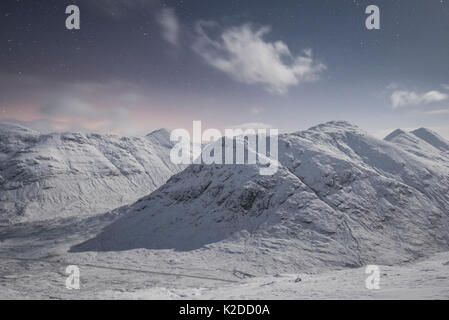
(340, 198)
(414, 144)
(62, 174)
(432, 138)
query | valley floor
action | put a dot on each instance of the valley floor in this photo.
(427, 279)
(34, 257)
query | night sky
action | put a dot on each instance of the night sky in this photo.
(135, 66)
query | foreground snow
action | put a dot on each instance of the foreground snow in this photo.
(206, 273)
(428, 279)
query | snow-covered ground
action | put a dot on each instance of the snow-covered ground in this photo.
(151, 275)
(340, 200)
(428, 279)
(42, 248)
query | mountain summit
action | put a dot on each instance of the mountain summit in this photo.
(432, 138)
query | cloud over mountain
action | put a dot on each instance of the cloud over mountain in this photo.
(403, 98)
(245, 55)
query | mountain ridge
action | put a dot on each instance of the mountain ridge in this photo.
(69, 173)
(340, 198)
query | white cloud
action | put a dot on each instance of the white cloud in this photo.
(438, 112)
(402, 98)
(170, 25)
(247, 57)
(445, 86)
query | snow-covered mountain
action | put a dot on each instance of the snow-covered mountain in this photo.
(421, 143)
(432, 138)
(62, 174)
(340, 198)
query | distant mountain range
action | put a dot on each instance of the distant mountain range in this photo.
(44, 176)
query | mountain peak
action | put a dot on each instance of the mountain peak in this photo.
(394, 134)
(432, 138)
(160, 136)
(340, 124)
(423, 130)
(159, 131)
(339, 128)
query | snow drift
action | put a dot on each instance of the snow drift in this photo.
(340, 198)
